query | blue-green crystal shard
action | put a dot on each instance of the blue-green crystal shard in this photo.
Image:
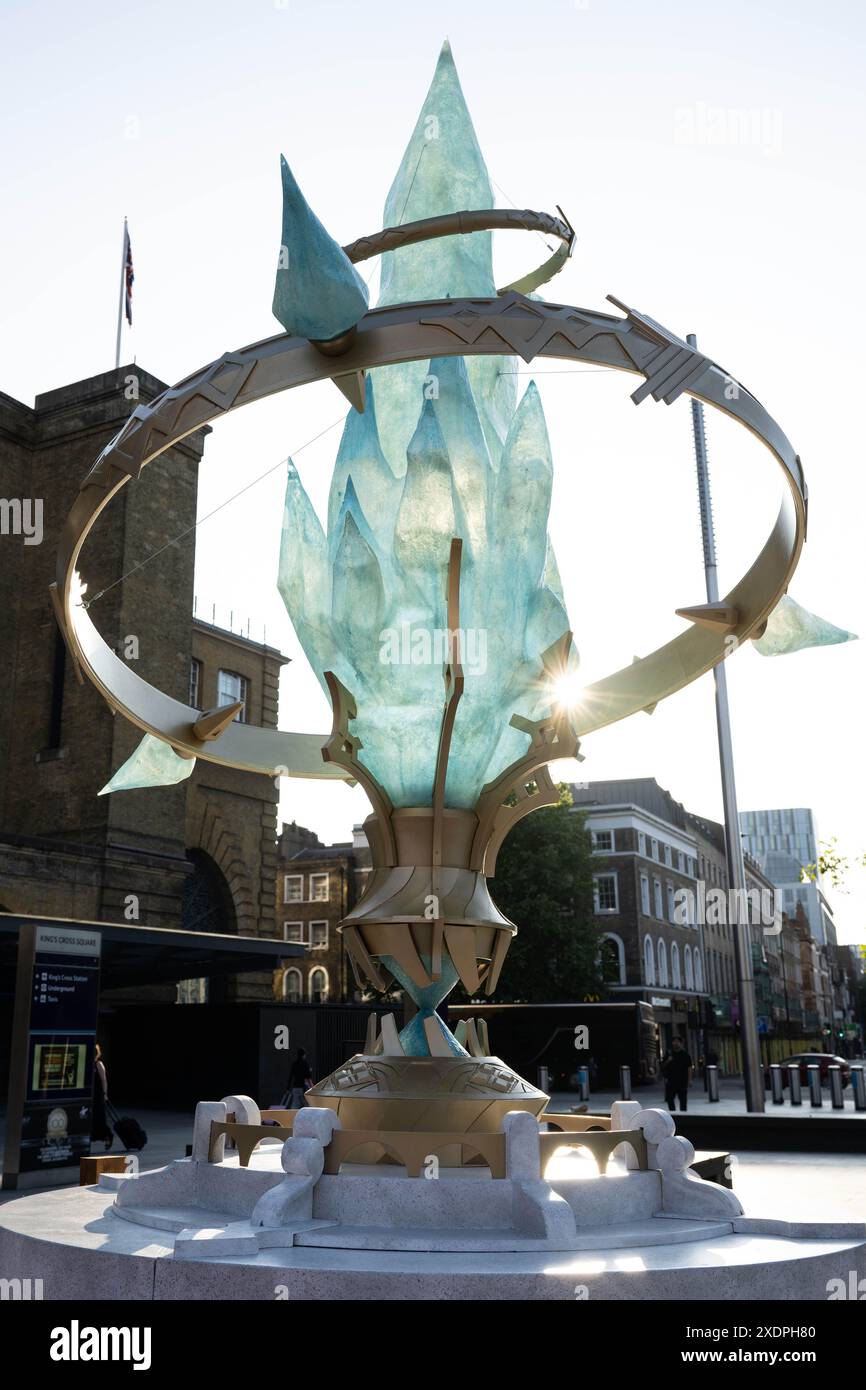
(792, 628)
(442, 450)
(358, 594)
(318, 293)
(442, 170)
(413, 1039)
(360, 458)
(304, 579)
(153, 764)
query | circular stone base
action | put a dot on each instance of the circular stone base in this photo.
(72, 1240)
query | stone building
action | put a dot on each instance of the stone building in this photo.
(648, 851)
(776, 960)
(201, 854)
(646, 854)
(316, 886)
(817, 992)
(846, 970)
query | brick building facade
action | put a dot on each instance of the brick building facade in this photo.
(316, 886)
(199, 853)
(645, 855)
(647, 848)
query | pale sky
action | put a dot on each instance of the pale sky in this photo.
(711, 159)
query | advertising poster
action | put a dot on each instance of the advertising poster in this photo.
(64, 1000)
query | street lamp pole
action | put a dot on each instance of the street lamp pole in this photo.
(752, 1070)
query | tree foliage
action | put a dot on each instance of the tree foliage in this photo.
(832, 864)
(544, 884)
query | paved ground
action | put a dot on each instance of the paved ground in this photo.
(812, 1187)
(805, 1187)
(732, 1101)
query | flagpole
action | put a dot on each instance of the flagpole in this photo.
(120, 300)
(752, 1071)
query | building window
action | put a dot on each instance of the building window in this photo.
(604, 889)
(641, 843)
(690, 979)
(672, 916)
(318, 888)
(669, 856)
(602, 840)
(295, 932)
(691, 866)
(195, 683)
(293, 888)
(681, 861)
(318, 986)
(644, 895)
(231, 687)
(662, 962)
(699, 972)
(318, 936)
(612, 960)
(655, 849)
(657, 895)
(292, 987)
(676, 977)
(649, 962)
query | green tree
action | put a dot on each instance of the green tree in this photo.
(831, 864)
(543, 883)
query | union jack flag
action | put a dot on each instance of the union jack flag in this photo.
(129, 277)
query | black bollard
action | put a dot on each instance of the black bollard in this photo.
(625, 1082)
(776, 1084)
(712, 1083)
(583, 1082)
(815, 1084)
(858, 1085)
(794, 1083)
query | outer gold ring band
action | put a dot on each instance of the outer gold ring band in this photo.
(484, 220)
(509, 324)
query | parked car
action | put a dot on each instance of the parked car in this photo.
(824, 1060)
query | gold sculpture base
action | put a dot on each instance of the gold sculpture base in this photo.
(457, 1095)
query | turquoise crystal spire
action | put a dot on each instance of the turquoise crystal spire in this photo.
(442, 170)
(441, 450)
(318, 292)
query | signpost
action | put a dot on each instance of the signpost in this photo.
(752, 1072)
(53, 1047)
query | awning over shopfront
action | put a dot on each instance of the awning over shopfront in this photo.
(138, 955)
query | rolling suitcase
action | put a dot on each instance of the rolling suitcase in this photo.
(128, 1130)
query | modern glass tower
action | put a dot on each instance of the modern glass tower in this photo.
(784, 841)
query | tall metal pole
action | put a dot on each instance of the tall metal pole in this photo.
(122, 295)
(752, 1070)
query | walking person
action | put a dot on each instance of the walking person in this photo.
(300, 1080)
(677, 1072)
(98, 1124)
